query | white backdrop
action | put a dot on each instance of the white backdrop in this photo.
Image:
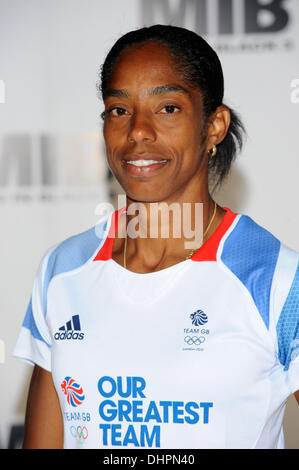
(52, 165)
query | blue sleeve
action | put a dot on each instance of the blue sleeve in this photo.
(34, 341)
(288, 328)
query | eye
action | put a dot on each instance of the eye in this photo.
(169, 109)
(116, 111)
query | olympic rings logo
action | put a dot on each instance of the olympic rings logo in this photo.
(196, 340)
(79, 433)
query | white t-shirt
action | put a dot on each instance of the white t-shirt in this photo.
(203, 354)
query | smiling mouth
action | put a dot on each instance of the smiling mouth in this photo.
(142, 163)
(144, 167)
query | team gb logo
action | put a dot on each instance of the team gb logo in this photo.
(198, 318)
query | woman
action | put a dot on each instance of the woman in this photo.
(141, 341)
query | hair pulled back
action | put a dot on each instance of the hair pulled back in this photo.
(199, 66)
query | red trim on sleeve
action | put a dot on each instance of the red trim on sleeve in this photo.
(208, 251)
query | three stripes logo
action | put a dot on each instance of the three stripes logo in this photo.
(71, 330)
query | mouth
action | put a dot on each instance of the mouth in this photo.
(143, 165)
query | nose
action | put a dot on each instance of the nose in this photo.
(141, 128)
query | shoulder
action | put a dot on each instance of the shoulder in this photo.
(259, 260)
(249, 240)
(248, 244)
(270, 271)
(73, 252)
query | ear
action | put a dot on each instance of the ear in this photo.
(218, 124)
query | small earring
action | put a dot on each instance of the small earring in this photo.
(212, 151)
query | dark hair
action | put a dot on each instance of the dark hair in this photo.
(199, 65)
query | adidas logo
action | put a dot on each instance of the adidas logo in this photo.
(70, 330)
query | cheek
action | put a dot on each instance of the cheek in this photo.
(187, 141)
(110, 160)
(114, 140)
(196, 139)
(111, 144)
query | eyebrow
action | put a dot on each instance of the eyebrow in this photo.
(158, 90)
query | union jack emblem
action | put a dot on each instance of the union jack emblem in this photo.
(73, 391)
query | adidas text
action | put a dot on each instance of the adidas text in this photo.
(69, 335)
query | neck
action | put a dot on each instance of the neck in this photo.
(161, 220)
(159, 235)
(163, 233)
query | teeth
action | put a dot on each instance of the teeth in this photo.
(144, 162)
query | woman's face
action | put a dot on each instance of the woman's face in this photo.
(153, 115)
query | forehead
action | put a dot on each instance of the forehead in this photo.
(152, 51)
(144, 64)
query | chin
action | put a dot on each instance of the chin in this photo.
(144, 198)
(141, 193)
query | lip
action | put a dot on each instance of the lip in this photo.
(145, 170)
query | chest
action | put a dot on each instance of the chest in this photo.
(157, 358)
(204, 333)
